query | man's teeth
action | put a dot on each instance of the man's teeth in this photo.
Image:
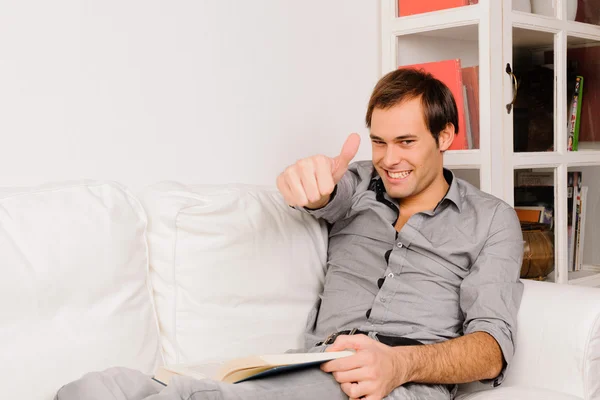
(399, 175)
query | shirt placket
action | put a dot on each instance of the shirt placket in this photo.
(395, 259)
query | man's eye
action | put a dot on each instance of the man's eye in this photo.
(378, 142)
(407, 142)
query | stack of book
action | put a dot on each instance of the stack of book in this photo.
(534, 202)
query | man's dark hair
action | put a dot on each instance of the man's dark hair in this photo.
(403, 84)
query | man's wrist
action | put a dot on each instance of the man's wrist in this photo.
(405, 363)
(320, 204)
(324, 201)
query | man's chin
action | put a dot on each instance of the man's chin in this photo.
(397, 196)
(394, 192)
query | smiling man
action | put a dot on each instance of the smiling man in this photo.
(422, 265)
(422, 270)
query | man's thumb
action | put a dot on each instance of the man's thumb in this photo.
(349, 150)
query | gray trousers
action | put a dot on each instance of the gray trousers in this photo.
(310, 384)
(307, 384)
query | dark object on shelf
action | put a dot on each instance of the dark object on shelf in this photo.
(535, 118)
(520, 129)
(538, 252)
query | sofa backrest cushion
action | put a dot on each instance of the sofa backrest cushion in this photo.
(74, 296)
(234, 270)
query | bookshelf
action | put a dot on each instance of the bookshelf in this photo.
(545, 47)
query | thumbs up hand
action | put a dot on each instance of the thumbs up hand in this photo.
(310, 181)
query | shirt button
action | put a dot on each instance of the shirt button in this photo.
(390, 275)
(383, 300)
(400, 244)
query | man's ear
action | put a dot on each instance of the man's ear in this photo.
(446, 137)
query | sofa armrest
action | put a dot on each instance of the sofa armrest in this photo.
(558, 340)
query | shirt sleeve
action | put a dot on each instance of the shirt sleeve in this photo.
(340, 202)
(491, 293)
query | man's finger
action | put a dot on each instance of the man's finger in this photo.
(355, 390)
(324, 176)
(309, 182)
(339, 164)
(343, 342)
(352, 375)
(285, 190)
(343, 364)
(296, 188)
(349, 150)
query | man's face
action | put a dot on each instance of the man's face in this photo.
(405, 153)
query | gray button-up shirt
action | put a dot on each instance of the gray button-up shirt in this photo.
(448, 272)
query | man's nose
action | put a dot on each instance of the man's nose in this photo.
(393, 155)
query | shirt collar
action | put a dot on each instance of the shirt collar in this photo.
(453, 193)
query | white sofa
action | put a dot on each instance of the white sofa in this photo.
(95, 276)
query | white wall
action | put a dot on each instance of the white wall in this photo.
(422, 48)
(197, 91)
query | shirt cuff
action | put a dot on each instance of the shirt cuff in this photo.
(318, 212)
(503, 338)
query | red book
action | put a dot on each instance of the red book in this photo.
(411, 7)
(450, 73)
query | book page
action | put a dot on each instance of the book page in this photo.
(197, 371)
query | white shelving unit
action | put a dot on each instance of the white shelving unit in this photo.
(490, 34)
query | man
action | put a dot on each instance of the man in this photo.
(423, 268)
(414, 252)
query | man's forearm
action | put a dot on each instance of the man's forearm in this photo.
(469, 358)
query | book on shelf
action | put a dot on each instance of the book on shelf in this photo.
(535, 178)
(575, 115)
(450, 73)
(468, 126)
(574, 181)
(411, 7)
(580, 229)
(540, 214)
(470, 78)
(246, 368)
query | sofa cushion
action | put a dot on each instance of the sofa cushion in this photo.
(73, 294)
(234, 270)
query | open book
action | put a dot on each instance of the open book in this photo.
(246, 368)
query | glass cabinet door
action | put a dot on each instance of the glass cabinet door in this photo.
(586, 11)
(533, 76)
(534, 202)
(583, 93)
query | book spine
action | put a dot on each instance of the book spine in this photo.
(581, 236)
(579, 94)
(570, 221)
